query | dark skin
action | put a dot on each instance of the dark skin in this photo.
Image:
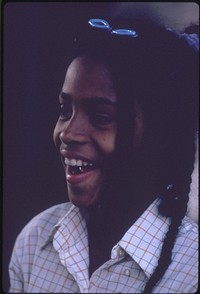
(87, 132)
(107, 225)
(102, 236)
(100, 241)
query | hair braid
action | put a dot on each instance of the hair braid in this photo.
(174, 205)
(179, 164)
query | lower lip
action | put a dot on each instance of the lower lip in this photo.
(79, 178)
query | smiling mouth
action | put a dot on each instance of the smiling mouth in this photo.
(78, 166)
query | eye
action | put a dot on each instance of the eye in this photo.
(65, 111)
(101, 119)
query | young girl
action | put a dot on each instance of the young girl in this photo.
(126, 139)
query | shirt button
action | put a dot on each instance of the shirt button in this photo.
(127, 272)
(121, 253)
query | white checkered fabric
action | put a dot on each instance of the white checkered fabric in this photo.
(51, 256)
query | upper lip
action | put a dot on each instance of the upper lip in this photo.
(73, 155)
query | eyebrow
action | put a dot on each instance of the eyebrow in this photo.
(91, 100)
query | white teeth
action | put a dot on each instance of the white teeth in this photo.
(77, 162)
(67, 161)
(73, 162)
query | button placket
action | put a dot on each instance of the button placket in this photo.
(127, 272)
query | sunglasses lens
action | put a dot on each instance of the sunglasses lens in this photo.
(99, 23)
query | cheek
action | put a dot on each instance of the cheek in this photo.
(108, 142)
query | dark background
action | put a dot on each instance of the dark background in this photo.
(35, 39)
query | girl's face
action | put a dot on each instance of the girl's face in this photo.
(86, 131)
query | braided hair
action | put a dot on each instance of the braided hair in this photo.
(183, 112)
(160, 69)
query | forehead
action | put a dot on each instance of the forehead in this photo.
(89, 64)
(88, 76)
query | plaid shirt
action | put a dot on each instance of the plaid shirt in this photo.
(51, 255)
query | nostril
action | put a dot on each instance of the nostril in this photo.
(73, 133)
(65, 139)
(69, 139)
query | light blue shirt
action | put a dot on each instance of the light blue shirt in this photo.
(51, 255)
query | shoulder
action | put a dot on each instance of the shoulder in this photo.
(184, 265)
(27, 249)
(39, 228)
(189, 227)
(187, 239)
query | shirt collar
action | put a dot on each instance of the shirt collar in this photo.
(50, 235)
(143, 241)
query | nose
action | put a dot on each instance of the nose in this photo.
(75, 131)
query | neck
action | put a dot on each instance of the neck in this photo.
(114, 216)
(107, 223)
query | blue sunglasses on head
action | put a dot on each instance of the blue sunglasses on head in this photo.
(103, 24)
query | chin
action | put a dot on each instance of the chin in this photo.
(82, 203)
(83, 200)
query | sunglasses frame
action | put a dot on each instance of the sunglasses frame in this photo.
(103, 24)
